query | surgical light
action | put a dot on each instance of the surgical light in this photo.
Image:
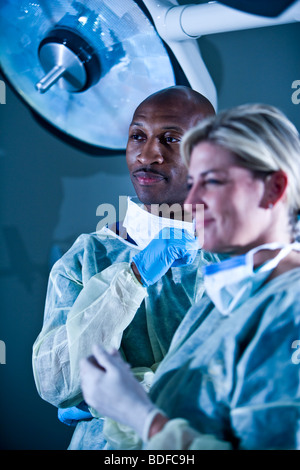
(84, 66)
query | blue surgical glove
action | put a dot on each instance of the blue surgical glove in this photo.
(72, 415)
(173, 247)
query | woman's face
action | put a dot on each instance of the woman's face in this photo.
(234, 219)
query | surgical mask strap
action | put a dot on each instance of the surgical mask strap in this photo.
(272, 263)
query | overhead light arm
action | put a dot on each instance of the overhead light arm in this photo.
(179, 26)
(180, 22)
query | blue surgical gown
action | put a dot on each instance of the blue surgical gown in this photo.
(234, 381)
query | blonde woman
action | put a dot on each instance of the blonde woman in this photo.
(229, 380)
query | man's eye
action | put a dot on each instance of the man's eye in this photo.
(136, 137)
(171, 140)
(167, 139)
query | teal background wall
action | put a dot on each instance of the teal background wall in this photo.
(49, 192)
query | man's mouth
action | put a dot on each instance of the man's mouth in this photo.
(148, 177)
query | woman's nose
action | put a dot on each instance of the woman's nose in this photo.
(194, 198)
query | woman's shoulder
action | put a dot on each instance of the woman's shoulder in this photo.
(290, 263)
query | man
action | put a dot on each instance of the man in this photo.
(93, 295)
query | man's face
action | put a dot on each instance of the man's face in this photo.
(153, 157)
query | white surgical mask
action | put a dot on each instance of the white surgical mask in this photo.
(142, 226)
(231, 282)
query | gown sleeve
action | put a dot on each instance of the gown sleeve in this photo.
(77, 316)
(177, 434)
(265, 406)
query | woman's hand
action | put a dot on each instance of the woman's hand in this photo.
(111, 389)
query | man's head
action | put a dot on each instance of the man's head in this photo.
(156, 168)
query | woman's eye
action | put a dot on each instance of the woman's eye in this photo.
(212, 181)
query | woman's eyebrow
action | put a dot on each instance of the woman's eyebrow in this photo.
(212, 170)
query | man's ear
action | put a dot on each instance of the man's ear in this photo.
(275, 188)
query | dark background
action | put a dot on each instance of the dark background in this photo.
(49, 195)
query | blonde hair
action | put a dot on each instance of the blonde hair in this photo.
(262, 138)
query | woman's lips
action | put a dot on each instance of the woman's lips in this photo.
(201, 221)
(207, 222)
(148, 178)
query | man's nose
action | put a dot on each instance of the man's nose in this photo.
(151, 152)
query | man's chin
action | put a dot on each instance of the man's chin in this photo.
(149, 199)
(149, 196)
(167, 207)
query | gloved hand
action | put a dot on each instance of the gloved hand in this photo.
(174, 247)
(111, 389)
(71, 416)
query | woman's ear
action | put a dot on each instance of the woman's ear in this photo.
(275, 188)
